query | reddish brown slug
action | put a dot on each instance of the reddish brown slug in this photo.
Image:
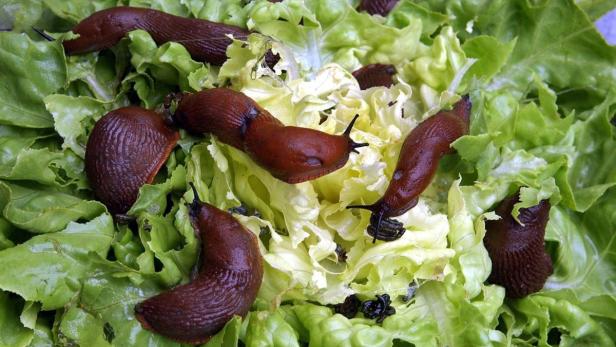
(380, 7)
(291, 154)
(375, 75)
(417, 164)
(229, 277)
(205, 41)
(126, 149)
(519, 260)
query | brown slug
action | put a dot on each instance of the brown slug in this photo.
(226, 284)
(519, 260)
(375, 75)
(417, 164)
(380, 7)
(126, 149)
(205, 41)
(291, 154)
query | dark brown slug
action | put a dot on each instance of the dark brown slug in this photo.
(291, 154)
(229, 277)
(375, 75)
(519, 260)
(125, 150)
(205, 41)
(417, 164)
(380, 7)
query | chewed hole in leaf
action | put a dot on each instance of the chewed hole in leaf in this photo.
(554, 337)
(158, 265)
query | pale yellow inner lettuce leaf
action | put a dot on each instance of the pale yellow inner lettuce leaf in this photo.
(306, 222)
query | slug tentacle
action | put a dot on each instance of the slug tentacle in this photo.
(126, 149)
(226, 283)
(347, 133)
(43, 34)
(417, 165)
(289, 153)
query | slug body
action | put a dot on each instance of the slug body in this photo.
(205, 41)
(380, 7)
(417, 165)
(291, 154)
(230, 274)
(126, 149)
(519, 260)
(375, 75)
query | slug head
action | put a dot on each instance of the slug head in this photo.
(375, 75)
(230, 275)
(295, 154)
(519, 260)
(126, 149)
(103, 29)
(382, 227)
(462, 109)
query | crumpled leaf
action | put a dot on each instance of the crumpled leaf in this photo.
(29, 71)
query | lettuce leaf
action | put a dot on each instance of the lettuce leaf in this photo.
(102, 314)
(538, 319)
(12, 330)
(585, 260)
(57, 262)
(544, 45)
(30, 71)
(44, 210)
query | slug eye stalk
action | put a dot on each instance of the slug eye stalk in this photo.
(347, 133)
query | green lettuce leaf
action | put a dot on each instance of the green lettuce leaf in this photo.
(12, 330)
(169, 65)
(536, 319)
(228, 336)
(30, 71)
(56, 263)
(44, 210)
(21, 15)
(545, 45)
(407, 12)
(42, 337)
(269, 329)
(13, 141)
(594, 8)
(103, 312)
(74, 117)
(591, 163)
(76, 10)
(333, 31)
(439, 314)
(585, 259)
